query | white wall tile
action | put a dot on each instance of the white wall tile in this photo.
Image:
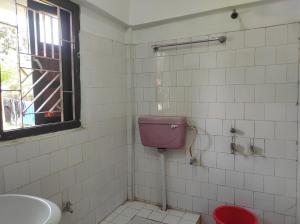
(208, 60)
(200, 77)
(235, 40)
(184, 78)
(191, 61)
(225, 161)
(225, 93)
(141, 51)
(284, 204)
(264, 93)
(264, 166)
(169, 79)
(293, 33)
(245, 57)
(200, 110)
(150, 65)
(244, 198)
(39, 167)
(200, 205)
(292, 72)
(177, 62)
(209, 191)
(177, 94)
(275, 111)
(265, 56)
(208, 159)
(235, 76)
(275, 148)
(244, 93)
(234, 179)
(50, 185)
(276, 35)
(235, 110)
(286, 130)
(244, 163)
(48, 145)
(264, 129)
(226, 59)
(255, 37)
(185, 202)
(264, 201)
(255, 75)
(276, 73)
(291, 112)
(274, 185)
(217, 176)
(16, 175)
(222, 144)
(8, 155)
(193, 188)
(27, 150)
(254, 182)
(273, 218)
(225, 194)
(245, 128)
(74, 155)
(216, 110)
(208, 94)
(217, 76)
(287, 54)
(149, 94)
(285, 168)
(286, 93)
(66, 178)
(214, 126)
(58, 160)
(254, 111)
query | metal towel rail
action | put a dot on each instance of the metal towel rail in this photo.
(156, 47)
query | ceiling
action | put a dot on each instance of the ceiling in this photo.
(140, 12)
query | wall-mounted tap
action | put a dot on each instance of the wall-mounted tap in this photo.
(67, 207)
(252, 147)
(232, 130)
(233, 145)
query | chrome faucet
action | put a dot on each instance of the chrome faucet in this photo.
(67, 207)
(233, 147)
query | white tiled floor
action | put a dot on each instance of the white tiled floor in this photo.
(142, 213)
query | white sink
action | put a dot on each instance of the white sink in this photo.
(23, 209)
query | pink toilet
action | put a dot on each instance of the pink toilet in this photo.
(163, 132)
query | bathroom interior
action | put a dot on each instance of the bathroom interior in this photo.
(149, 112)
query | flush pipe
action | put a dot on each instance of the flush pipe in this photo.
(163, 179)
(193, 161)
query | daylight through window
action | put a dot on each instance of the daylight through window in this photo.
(39, 68)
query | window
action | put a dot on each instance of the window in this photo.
(39, 69)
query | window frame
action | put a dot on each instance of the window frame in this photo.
(65, 125)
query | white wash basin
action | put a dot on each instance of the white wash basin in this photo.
(23, 209)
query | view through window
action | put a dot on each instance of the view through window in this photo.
(39, 66)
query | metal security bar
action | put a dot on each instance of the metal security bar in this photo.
(41, 29)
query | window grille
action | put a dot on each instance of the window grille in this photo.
(39, 69)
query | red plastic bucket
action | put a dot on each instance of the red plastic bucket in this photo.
(233, 215)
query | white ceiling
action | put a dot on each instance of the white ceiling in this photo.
(139, 12)
(147, 11)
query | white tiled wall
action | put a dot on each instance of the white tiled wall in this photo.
(249, 83)
(87, 166)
